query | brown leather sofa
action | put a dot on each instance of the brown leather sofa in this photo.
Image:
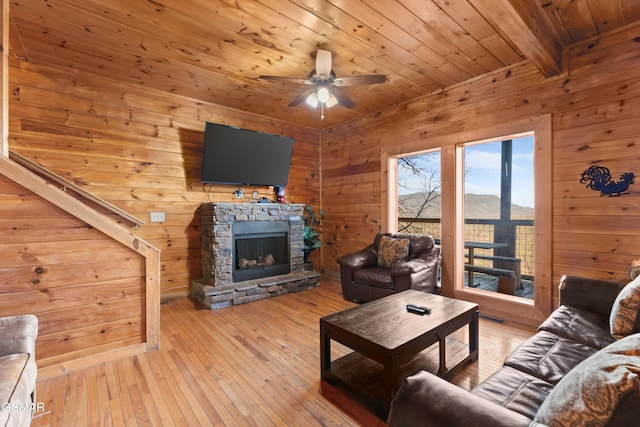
(364, 280)
(573, 344)
(18, 370)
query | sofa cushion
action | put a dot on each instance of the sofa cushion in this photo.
(579, 325)
(18, 373)
(11, 369)
(425, 399)
(625, 313)
(591, 393)
(548, 356)
(514, 390)
(392, 251)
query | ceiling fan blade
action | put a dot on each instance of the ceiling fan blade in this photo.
(300, 98)
(343, 99)
(287, 80)
(323, 63)
(360, 80)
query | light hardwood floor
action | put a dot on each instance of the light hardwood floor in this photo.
(255, 364)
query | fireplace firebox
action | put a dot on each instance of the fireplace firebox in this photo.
(260, 249)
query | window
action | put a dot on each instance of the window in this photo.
(419, 193)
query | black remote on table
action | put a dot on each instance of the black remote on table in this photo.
(418, 309)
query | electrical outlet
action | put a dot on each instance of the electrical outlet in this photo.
(255, 194)
(157, 217)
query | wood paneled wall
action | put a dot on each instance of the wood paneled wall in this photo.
(87, 290)
(140, 149)
(594, 110)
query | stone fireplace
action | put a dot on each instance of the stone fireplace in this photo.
(250, 251)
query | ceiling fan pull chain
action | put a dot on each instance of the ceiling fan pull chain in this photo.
(322, 111)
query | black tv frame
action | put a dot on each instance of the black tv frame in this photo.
(233, 155)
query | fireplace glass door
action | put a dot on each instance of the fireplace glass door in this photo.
(261, 249)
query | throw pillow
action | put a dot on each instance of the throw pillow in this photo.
(590, 393)
(624, 313)
(392, 251)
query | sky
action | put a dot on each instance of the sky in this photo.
(483, 170)
(483, 166)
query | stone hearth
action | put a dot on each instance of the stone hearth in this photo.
(216, 288)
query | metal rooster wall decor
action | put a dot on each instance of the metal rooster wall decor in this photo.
(599, 178)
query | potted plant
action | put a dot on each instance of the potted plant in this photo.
(310, 234)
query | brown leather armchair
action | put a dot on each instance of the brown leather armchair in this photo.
(364, 280)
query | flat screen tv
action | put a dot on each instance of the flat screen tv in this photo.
(239, 156)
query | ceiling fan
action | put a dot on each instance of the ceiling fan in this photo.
(325, 84)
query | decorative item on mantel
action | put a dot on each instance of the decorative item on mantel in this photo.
(598, 178)
(310, 235)
(279, 190)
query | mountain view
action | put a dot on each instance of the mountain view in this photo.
(477, 206)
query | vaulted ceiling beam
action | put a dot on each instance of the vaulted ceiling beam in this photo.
(524, 23)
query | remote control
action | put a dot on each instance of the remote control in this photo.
(411, 308)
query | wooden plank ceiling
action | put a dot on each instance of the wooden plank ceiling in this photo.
(215, 50)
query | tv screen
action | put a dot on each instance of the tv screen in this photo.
(238, 156)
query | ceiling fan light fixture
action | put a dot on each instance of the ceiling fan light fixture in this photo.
(331, 101)
(312, 100)
(323, 94)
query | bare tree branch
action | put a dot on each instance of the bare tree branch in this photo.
(421, 182)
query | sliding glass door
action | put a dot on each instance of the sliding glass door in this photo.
(499, 207)
(488, 203)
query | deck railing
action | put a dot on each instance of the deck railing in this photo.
(519, 235)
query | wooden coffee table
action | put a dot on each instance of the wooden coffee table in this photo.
(384, 331)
